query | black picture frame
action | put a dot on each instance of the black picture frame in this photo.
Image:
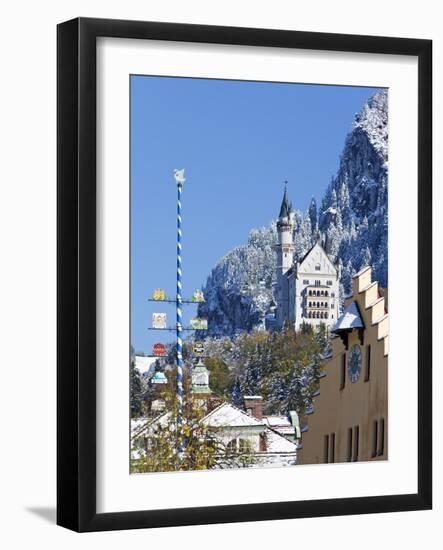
(76, 265)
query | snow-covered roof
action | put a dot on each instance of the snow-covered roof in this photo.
(277, 420)
(144, 364)
(252, 397)
(229, 415)
(140, 425)
(350, 319)
(276, 443)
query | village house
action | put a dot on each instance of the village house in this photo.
(268, 440)
(348, 420)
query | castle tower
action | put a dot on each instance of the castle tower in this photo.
(285, 257)
(200, 390)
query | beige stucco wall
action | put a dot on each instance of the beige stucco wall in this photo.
(357, 404)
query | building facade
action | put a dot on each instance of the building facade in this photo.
(262, 440)
(307, 290)
(348, 421)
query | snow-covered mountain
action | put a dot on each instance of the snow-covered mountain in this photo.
(352, 220)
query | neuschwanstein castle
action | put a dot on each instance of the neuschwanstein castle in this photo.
(307, 289)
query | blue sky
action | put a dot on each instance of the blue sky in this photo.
(238, 141)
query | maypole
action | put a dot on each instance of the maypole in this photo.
(159, 319)
(179, 178)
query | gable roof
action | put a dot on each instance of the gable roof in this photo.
(145, 364)
(317, 245)
(229, 415)
(276, 443)
(349, 319)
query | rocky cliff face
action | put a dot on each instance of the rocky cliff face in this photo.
(240, 287)
(352, 221)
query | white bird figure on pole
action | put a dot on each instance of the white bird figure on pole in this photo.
(179, 176)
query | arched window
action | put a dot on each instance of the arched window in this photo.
(243, 446)
(326, 292)
(231, 447)
(326, 315)
(318, 304)
(322, 293)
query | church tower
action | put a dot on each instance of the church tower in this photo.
(285, 257)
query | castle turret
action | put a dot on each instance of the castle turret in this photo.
(285, 256)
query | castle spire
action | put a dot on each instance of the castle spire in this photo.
(285, 206)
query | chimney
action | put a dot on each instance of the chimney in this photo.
(254, 406)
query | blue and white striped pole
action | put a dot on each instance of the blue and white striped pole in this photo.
(179, 178)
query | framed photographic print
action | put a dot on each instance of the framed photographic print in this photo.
(244, 274)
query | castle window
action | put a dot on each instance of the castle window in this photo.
(329, 283)
(381, 438)
(243, 446)
(238, 446)
(332, 448)
(368, 363)
(326, 449)
(232, 446)
(326, 292)
(329, 448)
(356, 443)
(326, 315)
(317, 283)
(353, 444)
(349, 446)
(332, 305)
(374, 438)
(310, 293)
(343, 371)
(332, 294)
(305, 282)
(322, 293)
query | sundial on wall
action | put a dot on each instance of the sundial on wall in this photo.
(354, 363)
